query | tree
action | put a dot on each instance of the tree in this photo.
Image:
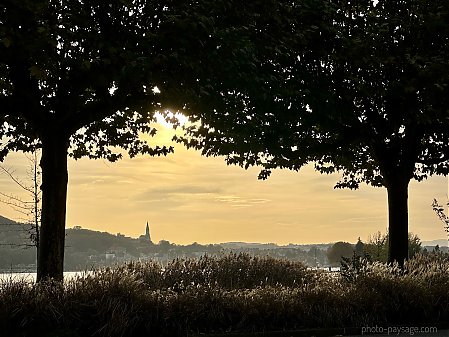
(377, 246)
(362, 89)
(78, 78)
(359, 246)
(414, 245)
(83, 78)
(338, 251)
(31, 209)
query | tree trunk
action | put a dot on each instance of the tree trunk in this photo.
(54, 196)
(398, 220)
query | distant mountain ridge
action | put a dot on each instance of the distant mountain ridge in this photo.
(263, 246)
(439, 242)
(236, 245)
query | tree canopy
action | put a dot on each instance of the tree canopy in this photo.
(358, 87)
(362, 90)
(339, 250)
(376, 249)
(84, 78)
(86, 69)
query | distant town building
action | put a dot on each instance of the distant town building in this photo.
(146, 237)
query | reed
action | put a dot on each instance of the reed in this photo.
(235, 292)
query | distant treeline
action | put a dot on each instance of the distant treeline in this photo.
(87, 248)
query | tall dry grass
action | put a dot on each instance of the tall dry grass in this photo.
(234, 292)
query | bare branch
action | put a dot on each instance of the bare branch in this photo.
(12, 197)
(439, 210)
(11, 175)
(16, 207)
(29, 208)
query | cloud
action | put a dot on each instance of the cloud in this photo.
(175, 192)
(366, 219)
(237, 201)
(286, 224)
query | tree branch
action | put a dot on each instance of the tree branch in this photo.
(14, 179)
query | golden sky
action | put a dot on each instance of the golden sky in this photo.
(187, 198)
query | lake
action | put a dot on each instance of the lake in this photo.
(31, 277)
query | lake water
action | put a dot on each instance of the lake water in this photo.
(31, 277)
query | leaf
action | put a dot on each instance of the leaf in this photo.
(37, 72)
(6, 42)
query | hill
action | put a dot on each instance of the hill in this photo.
(6, 221)
(16, 247)
(85, 248)
(85, 240)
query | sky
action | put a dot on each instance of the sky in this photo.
(188, 198)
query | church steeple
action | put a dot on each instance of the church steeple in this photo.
(147, 232)
(145, 238)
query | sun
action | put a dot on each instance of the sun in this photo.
(168, 119)
(164, 119)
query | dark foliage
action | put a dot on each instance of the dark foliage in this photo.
(357, 87)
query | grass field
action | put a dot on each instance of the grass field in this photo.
(232, 293)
